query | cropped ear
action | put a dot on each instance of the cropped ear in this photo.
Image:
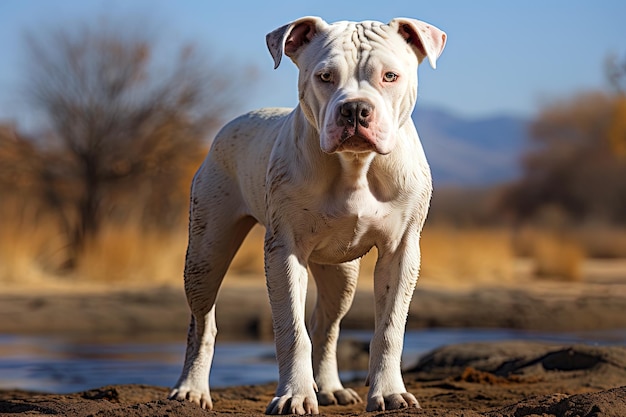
(290, 38)
(426, 40)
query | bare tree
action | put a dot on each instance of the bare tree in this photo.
(616, 73)
(123, 113)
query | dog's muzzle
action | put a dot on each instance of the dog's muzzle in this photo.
(355, 118)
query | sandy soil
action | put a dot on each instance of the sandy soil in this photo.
(499, 379)
(503, 379)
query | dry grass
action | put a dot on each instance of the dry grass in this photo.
(560, 253)
(458, 256)
(596, 241)
(31, 250)
(129, 254)
(557, 257)
(30, 243)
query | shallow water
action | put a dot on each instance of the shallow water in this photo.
(60, 365)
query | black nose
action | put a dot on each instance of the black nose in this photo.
(353, 112)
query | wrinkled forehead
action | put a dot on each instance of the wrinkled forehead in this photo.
(358, 32)
(356, 40)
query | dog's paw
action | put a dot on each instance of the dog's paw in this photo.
(201, 398)
(293, 405)
(345, 396)
(392, 402)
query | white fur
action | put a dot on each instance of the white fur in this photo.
(326, 194)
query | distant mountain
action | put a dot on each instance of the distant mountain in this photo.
(471, 152)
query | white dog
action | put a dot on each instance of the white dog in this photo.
(341, 173)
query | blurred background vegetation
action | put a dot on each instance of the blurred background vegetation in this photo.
(100, 193)
(126, 122)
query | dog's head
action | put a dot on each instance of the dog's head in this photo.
(357, 81)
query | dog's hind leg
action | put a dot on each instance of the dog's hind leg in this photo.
(216, 231)
(336, 285)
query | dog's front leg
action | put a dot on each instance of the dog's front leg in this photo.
(286, 282)
(395, 277)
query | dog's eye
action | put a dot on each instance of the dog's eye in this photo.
(390, 77)
(326, 77)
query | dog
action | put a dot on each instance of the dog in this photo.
(340, 174)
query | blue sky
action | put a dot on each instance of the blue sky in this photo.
(502, 56)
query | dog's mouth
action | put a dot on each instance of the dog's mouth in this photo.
(356, 143)
(352, 141)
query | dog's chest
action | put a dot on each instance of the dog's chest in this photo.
(347, 229)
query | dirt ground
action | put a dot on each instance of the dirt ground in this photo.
(489, 379)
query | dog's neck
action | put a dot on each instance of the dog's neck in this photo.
(355, 167)
(367, 172)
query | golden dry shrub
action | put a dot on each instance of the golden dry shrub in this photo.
(557, 257)
(467, 256)
(131, 254)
